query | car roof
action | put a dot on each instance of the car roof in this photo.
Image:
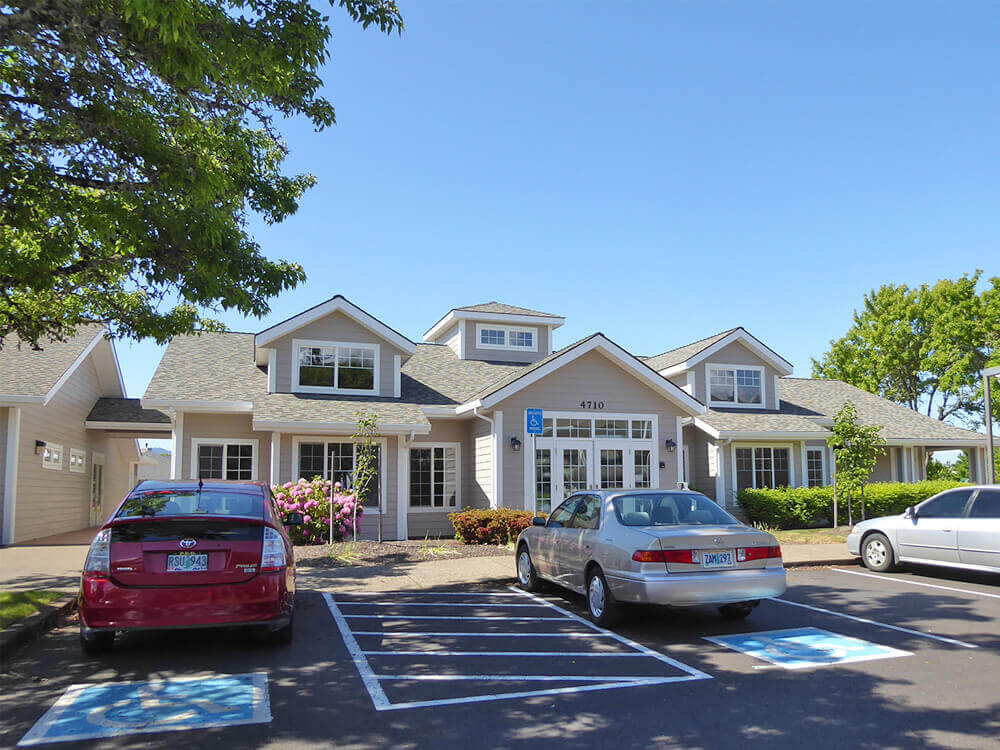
(660, 491)
(191, 484)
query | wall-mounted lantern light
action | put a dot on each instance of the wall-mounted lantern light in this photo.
(39, 446)
(515, 444)
(670, 445)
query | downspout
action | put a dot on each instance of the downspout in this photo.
(493, 472)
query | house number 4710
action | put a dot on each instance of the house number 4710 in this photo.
(591, 404)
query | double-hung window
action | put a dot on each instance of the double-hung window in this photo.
(735, 386)
(493, 336)
(434, 476)
(226, 459)
(814, 465)
(335, 460)
(765, 467)
(320, 366)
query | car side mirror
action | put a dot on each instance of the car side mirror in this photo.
(294, 519)
(910, 512)
(538, 521)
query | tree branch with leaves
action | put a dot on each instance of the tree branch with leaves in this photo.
(856, 449)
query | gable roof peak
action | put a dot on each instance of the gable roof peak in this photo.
(684, 357)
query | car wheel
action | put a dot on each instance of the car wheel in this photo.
(282, 636)
(96, 642)
(737, 611)
(526, 574)
(877, 554)
(604, 609)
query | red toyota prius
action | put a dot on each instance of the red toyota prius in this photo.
(185, 554)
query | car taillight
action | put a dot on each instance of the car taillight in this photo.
(99, 556)
(272, 555)
(743, 554)
(688, 556)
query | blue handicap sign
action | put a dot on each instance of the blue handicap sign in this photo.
(535, 423)
(113, 709)
(798, 648)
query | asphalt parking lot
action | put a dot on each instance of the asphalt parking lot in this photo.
(844, 658)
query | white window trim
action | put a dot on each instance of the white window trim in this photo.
(78, 467)
(458, 480)
(196, 443)
(508, 330)
(297, 441)
(822, 456)
(791, 461)
(48, 463)
(732, 404)
(300, 343)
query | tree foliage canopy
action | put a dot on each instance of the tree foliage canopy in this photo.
(924, 347)
(136, 137)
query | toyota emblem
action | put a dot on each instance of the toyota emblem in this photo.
(188, 543)
(717, 540)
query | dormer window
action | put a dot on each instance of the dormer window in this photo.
(490, 336)
(334, 367)
(735, 386)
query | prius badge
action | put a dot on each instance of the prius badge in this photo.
(188, 543)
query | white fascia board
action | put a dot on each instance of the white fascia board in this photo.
(118, 369)
(337, 304)
(706, 428)
(773, 435)
(614, 352)
(322, 428)
(451, 317)
(14, 399)
(780, 364)
(76, 363)
(440, 412)
(196, 405)
(129, 426)
(946, 443)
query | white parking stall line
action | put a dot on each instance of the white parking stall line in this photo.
(373, 680)
(865, 620)
(433, 593)
(435, 604)
(916, 583)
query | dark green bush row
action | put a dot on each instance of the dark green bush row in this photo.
(488, 525)
(805, 507)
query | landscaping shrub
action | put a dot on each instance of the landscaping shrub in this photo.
(804, 507)
(312, 500)
(489, 525)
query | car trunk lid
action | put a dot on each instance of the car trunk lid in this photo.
(715, 547)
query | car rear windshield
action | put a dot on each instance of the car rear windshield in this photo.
(161, 503)
(669, 509)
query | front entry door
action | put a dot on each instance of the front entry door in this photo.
(614, 469)
(575, 470)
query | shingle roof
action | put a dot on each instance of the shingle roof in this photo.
(898, 422)
(683, 353)
(127, 410)
(208, 367)
(436, 376)
(770, 421)
(295, 407)
(500, 308)
(26, 372)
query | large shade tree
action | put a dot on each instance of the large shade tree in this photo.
(924, 347)
(137, 137)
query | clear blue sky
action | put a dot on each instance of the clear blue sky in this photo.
(658, 171)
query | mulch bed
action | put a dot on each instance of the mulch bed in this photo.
(344, 554)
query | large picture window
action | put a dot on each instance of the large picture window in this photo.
(735, 386)
(334, 367)
(434, 476)
(224, 459)
(764, 467)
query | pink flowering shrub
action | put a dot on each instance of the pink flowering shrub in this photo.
(312, 500)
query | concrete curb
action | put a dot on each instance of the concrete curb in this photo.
(815, 563)
(23, 632)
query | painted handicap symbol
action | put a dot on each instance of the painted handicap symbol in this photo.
(798, 648)
(788, 649)
(113, 709)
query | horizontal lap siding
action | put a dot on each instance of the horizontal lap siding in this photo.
(591, 377)
(334, 327)
(432, 523)
(698, 445)
(472, 350)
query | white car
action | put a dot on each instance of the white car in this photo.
(958, 528)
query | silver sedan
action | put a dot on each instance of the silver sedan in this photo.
(958, 528)
(650, 547)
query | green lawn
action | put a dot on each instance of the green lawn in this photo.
(812, 536)
(15, 605)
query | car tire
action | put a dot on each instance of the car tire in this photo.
(527, 576)
(737, 611)
(282, 636)
(98, 642)
(877, 554)
(602, 606)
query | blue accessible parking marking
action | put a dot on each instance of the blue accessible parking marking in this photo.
(800, 648)
(113, 709)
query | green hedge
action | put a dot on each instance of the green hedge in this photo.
(806, 507)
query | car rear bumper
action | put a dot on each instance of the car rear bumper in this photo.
(691, 589)
(263, 600)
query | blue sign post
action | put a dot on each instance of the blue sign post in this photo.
(534, 417)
